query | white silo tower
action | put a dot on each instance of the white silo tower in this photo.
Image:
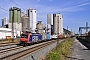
(50, 19)
(31, 13)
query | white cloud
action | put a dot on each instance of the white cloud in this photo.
(83, 4)
(82, 1)
(44, 10)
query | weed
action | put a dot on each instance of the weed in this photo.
(61, 51)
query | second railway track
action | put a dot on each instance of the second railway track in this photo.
(7, 44)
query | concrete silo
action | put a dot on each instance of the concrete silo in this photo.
(58, 24)
(10, 14)
(55, 23)
(50, 19)
(25, 23)
(18, 15)
(39, 27)
(31, 13)
(15, 14)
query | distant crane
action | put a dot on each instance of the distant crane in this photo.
(80, 29)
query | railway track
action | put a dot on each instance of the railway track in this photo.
(2, 51)
(7, 44)
(19, 52)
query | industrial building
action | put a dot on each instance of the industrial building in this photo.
(31, 13)
(25, 23)
(56, 21)
(4, 32)
(22, 14)
(48, 31)
(58, 24)
(5, 21)
(39, 27)
(17, 26)
(50, 19)
(15, 14)
(48, 28)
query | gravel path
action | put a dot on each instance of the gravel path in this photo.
(79, 51)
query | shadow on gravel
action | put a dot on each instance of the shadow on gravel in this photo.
(86, 44)
(73, 58)
(86, 49)
(18, 44)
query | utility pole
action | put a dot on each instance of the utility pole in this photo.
(13, 27)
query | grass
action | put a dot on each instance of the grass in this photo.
(61, 51)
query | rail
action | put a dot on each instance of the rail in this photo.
(27, 50)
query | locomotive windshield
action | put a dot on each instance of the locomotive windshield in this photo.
(24, 36)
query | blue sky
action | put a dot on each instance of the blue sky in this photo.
(75, 12)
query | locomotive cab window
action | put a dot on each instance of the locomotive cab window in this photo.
(24, 36)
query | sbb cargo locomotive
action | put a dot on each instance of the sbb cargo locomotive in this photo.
(28, 38)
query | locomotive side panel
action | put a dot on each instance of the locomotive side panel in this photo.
(35, 38)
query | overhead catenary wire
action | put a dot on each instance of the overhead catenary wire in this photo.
(3, 9)
(12, 24)
(17, 4)
(14, 2)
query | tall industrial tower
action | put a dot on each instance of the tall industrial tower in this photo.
(50, 19)
(17, 14)
(56, 21)
(58, 24)
(31, 13)
(15, 18)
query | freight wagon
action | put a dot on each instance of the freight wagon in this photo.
(48, 36)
